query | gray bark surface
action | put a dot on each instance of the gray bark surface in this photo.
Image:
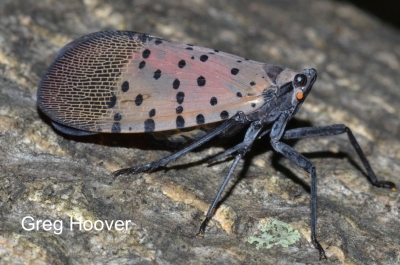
(50, 176)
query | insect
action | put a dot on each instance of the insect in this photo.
(128, 82)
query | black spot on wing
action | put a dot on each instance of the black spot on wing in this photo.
(116, 127)
(203, 58)
(149, 125)
(224, 115)
(200, 119)
(112, 101)
(180, 122)
(125, 86)
(176, 84)
(139, 100)
(142, 64)
(181, 64)
(157, 74)
(201, 81)
(146, 53)
(180, 96)
(213, 101)
(117, 117)
(179, 109)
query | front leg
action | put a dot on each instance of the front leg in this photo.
(305, 164)
(277, 132)
(241, 149)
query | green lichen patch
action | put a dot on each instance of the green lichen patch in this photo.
(275, 233)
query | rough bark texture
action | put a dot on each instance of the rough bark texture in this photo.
(50, 176)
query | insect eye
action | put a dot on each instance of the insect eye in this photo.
(300, 80)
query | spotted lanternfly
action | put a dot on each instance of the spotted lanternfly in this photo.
(127, 82)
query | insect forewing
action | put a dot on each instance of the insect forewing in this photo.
(117, 81)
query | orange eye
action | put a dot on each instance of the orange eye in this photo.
(299, 95)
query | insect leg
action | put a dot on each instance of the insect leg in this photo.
(294, 156)
(238, 118)
(305, 164)
(336, 129)
(234, 149)
(210, 211)
(242, 149)
(226, 153)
